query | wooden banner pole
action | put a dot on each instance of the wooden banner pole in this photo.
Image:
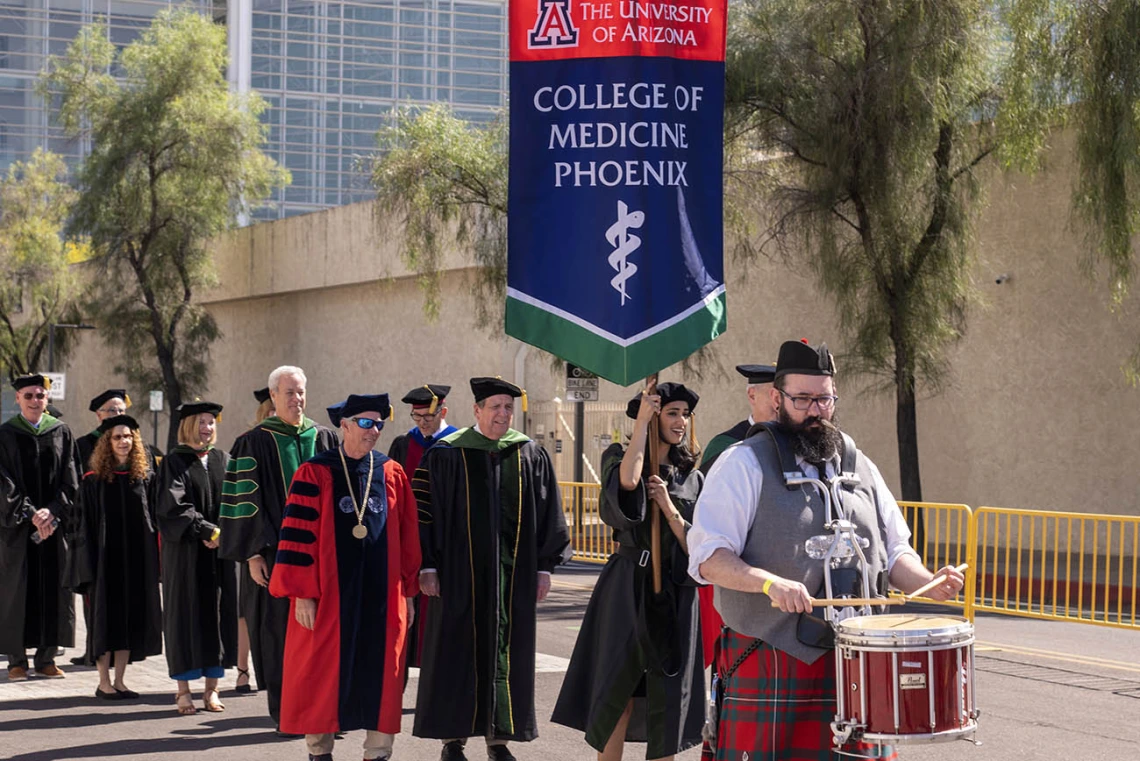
(654, 442)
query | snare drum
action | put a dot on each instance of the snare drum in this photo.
(904, 679)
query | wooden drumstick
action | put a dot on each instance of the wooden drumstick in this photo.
(851, 602)
(935, 582)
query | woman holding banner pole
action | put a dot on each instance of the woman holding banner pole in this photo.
(636, 673)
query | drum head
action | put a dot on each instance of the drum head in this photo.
(902, 630)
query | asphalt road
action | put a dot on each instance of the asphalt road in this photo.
(1046, 690)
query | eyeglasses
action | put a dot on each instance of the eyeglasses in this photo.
(366, 423)
(420, 416)
(114, 410)
(122, 437)
(804, 403)
(30, 397)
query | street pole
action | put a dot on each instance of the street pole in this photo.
(51, 348)
(154, 439)
(579, 451)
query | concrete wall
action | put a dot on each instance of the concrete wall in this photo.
(1037, 414)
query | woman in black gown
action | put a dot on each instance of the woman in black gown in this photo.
(636, 672)
(120, 555)
(198, 587)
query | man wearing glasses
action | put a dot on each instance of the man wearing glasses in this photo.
(38, 459)
(429, 413)
(778, 672)
(348, 557)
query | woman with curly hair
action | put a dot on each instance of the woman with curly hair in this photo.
(118, 555)
(636, 674)
(199, 589)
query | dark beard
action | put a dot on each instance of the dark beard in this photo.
(812, 444)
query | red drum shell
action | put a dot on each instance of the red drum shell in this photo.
(923, 665)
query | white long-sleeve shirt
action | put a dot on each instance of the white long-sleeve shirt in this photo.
(727, 507)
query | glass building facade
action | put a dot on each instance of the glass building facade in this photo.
(330, 71)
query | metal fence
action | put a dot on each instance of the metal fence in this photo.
(1080, 567)
(1059, 566)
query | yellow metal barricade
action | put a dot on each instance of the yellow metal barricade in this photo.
(941, 533)
(590, 537)
(1060, 566)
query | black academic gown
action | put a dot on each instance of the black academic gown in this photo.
(199, 589)
(721, 442)
(261, 467)
(35, 608)
(490, 520)
(117, 555)
(631, 646)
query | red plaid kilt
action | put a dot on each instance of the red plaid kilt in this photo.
(777, 708)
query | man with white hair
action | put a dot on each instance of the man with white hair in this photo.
(261, 467)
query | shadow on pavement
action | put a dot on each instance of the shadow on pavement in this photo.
(116, 748)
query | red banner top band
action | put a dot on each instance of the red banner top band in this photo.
(543, 30)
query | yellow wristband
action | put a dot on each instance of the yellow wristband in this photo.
(214, 536)
(767, 586)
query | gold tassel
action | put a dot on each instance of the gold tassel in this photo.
(127, 400)
(47, 383)
(389, 418)
(434, 400)
(524, 400)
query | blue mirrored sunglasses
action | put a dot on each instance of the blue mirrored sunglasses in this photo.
(367, 423)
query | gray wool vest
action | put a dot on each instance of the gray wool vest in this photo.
(785, 519)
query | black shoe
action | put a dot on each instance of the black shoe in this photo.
(116, 695)
(126, 694)
(322, 757)
(286, 735)
(244, 689)
(499, 753)
(452, 751)
(81, 660)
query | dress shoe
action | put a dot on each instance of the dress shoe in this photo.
(126, 694)
(50, 671)
(286, 735)
(113, 695)
(17, 674)
(499, 753)
(452, 751)
(81, 660)
(322, 757)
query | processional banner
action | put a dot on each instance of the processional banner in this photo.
(615, 240)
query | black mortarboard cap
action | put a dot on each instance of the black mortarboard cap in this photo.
(801, 358)
(357, 403)
(261, 395)
(429, 395)
(334, 411)
(116, 421)
(31, 380)
(196, 408)
(669, 392)
(757, 373)
(485, 387)
(54, 411)
(108, 395)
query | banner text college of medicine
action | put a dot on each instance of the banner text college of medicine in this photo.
(615, 258)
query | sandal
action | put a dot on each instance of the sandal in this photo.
(211, 702)
(243, 689)
(187, 708)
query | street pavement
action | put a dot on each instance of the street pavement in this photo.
(1046, 690)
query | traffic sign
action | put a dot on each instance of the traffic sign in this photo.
(581, 385)
(58, 390)
(156, 401)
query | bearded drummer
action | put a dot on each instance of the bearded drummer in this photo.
(777, 674)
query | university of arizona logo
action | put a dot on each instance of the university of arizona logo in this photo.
(554, 28)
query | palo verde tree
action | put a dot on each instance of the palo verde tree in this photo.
(176, 159)
(444, 181)
(38, 288)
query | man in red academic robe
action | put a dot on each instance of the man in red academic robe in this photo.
(348, 557)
